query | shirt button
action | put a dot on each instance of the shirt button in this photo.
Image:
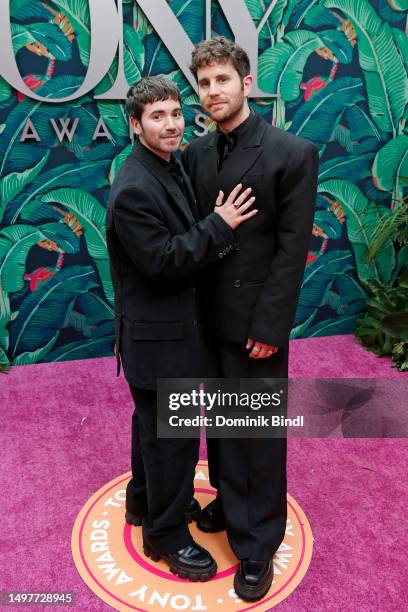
(237, 283)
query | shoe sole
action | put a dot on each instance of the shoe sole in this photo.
(182, 572)
(250, 593)
(136, 520)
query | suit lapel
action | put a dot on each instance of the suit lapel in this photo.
(240, 160)
(161, 173)
(208, 163)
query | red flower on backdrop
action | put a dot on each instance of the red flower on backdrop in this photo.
(38, 276)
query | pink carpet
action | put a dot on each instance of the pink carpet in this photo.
(66, 433)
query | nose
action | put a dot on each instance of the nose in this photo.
(213, 91)
(170, 123)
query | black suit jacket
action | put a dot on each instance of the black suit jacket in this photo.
(156, 246)
(254, 292)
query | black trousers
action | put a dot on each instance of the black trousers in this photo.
(163, 469)
(250, 474)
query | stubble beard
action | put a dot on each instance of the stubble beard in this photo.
(232, 114)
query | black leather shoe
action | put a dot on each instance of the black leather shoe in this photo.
(211, 519)
(192, 562)
(192, 514)
(253, 579)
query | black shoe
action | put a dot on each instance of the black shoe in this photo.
(192, 514)
(192, 562)
(253, 579)
(211, 519)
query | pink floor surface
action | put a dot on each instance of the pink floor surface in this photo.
(65, 433)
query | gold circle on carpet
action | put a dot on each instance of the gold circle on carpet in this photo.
(109, 557)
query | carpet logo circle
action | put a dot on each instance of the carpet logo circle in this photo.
(109, 557)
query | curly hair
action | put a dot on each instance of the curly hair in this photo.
(220, 50)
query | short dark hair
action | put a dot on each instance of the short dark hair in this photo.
(220, 50)
(148, 90)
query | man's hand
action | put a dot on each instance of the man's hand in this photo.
(234, 209)
(260, 350)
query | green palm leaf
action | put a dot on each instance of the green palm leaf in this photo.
(20, 36)
(401, 42)
(281, 67)
(48, 34)
(15, 244)
(5, 90)
(118, 161)
(12, 184)
(318, 280)
(351, 167)
(78, 13)
(362, 217)
(133, 55)
(36, 355)
(92, 216)
(385, 76)
(92, 347)
(390, 163)
(317, 118)
(90, 175)
(338, 44)
(42, 314)
(345, 324)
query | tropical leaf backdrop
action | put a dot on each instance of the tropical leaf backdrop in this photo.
(339, 68)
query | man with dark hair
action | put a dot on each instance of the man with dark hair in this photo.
(156, 246)
(254, 294)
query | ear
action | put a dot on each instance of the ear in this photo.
(136, 126)
(248, 83)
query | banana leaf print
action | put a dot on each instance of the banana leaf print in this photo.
(90, 175)
(118, 161)
(12, 184)
(351, 167)
(92, 217)
(385, 76)
(281, 67)
(5, 91)
(95, 308)
(192, 18)
(316, 119)
(77, 11)
(15, 243)
(103, 347)
(318, 280)
(41, 316)
(40, 114)
(390, 164)
(392, 10)
(362, 216)
(46, 34)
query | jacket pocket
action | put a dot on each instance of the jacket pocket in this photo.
(157, 330)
